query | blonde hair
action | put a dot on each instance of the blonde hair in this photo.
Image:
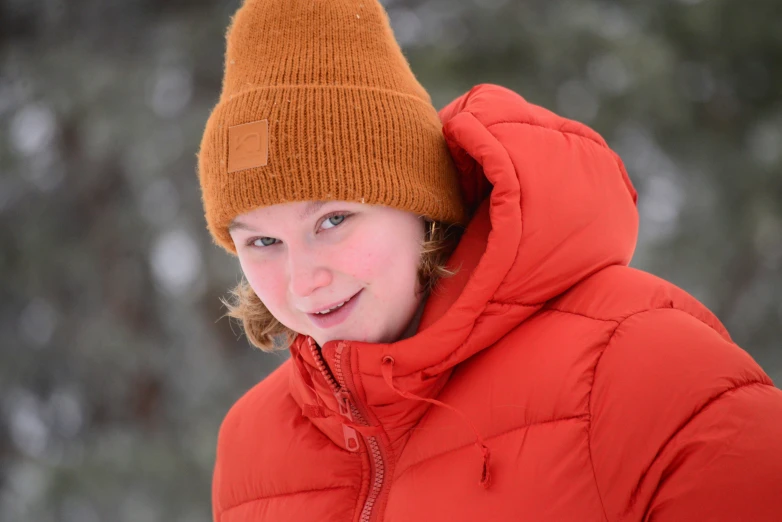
(264, 331)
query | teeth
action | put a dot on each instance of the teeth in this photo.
(324, 312)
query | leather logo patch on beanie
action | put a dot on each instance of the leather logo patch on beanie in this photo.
(248, 145)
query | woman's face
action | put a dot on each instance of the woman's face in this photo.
(333, 270)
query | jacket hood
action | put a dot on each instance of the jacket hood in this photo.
(551, 204)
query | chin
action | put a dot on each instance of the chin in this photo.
(374, 337)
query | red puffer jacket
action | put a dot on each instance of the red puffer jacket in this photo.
(548, 381)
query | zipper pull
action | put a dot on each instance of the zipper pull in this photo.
(343, 401)
(351, 436)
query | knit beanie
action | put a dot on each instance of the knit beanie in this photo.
(318, 103)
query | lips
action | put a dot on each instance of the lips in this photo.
(334, 314)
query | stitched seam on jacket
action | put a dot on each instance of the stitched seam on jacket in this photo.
(579, 314)
(621, 319)
(270, 497)
(510, 430)
(515, 303)
(682, 427)
(603, 146)
(589, 407)
(560, 131)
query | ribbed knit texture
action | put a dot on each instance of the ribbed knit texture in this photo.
(347, 118)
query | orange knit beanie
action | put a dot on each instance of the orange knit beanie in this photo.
(318, 103)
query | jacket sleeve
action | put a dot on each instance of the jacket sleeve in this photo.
(685, 425)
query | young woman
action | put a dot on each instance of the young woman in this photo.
(467, 341)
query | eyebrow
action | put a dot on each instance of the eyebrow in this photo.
(309, 210)
(238, 225)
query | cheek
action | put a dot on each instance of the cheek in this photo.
(382, 261)
(267, 282)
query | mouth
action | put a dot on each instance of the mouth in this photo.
(335, 307)
(334, 314)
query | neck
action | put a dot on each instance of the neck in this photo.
(412, 328)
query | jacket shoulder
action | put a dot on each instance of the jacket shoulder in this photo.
(269, 397)
(265, 447)
(669, 396)
(619, 292)
(670, 390)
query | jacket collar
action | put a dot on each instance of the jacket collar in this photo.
(551, 204)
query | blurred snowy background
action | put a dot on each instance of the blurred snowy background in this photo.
(115, 367)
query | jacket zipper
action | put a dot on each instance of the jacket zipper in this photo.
(349, 410)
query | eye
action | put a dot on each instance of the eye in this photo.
(264, 241)
(333, 221)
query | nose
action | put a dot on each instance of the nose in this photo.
(307, 272)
